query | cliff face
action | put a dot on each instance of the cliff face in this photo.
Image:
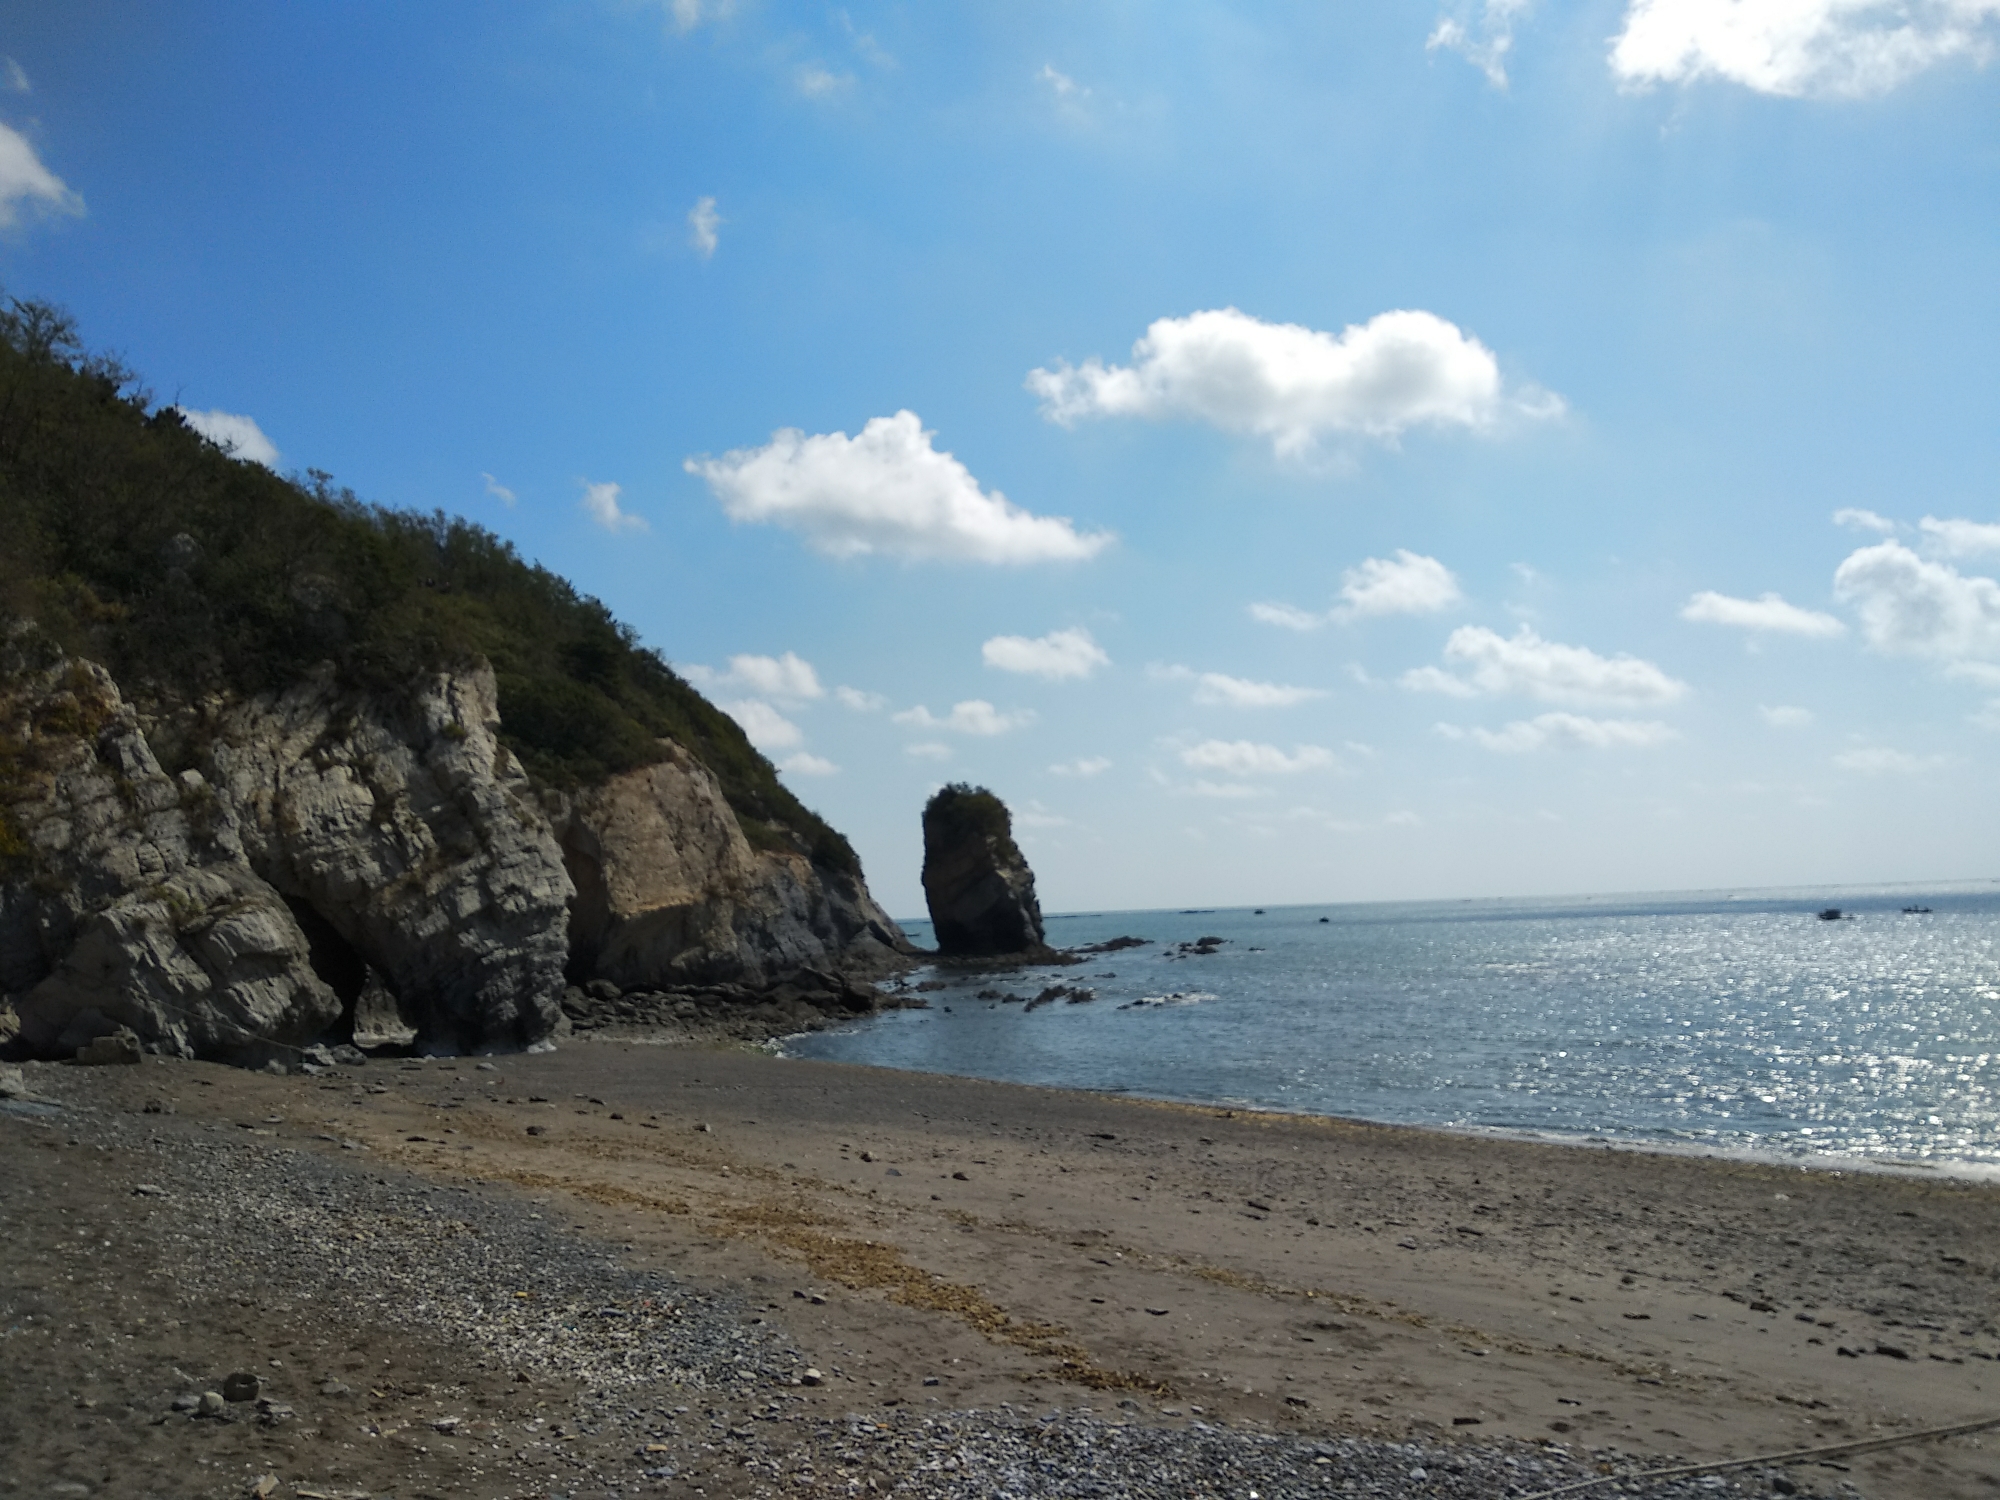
(977, 884)
(328, 848)
(670, 892)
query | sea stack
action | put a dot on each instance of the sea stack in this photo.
(979, 888)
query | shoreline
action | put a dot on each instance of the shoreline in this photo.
(937, 1247)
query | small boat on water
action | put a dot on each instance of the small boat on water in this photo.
(1830, 914)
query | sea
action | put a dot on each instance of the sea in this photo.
(1733, 1022)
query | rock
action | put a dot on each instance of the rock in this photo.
(670, 891)
(979, 889)
(812, 1377)
(211, 1404)
(134, 904)
(120, 1046)
(241, 1386)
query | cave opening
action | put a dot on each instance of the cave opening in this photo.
(338, 963)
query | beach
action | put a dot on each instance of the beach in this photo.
(839, 1245)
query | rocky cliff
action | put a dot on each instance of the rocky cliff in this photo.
(977, 884)
(324, 844)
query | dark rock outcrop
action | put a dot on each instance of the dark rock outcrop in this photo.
(978, 886)
(334, 865)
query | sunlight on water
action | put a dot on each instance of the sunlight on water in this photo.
(1728, 1022)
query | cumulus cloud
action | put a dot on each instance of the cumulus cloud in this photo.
(1288, 616)
(1767, 612)
(600, 503)
(1784, 716)
(688, 14)
(703, 222)
(1248, 758)
(887, 490)
(1910, 606)
(1059, 655)
(1406, 584)
(1089, 765)
(27, 187)
(928, 750)
(974, 716)
(861, 702)
(1799, 48)
(789, 677)
(1484, 40)
(767, 728)
(238, 436)
(1221, 691)
(1854, 517)
(1293, 384)
(1960, 538)
(1557, 731)
(805, 763)
(1525, 665)
(499, 491)
(1880, 760)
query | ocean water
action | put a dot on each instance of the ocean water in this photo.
(1733, 1021)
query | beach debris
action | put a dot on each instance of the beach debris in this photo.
(241, 1386)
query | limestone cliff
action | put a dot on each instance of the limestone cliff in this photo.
(324, 847)
(978, 885)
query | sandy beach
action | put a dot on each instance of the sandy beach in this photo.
(930, 1245)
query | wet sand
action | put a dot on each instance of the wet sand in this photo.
(936, 1241)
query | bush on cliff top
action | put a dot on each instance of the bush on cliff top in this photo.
(133, 540)
(959, 810)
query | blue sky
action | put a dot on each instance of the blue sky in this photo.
(1291, 452)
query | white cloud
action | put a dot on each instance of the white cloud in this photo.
(1089, 765)
(1218, 690)
(14, 77)
(1784, 716)
(1767, 612)
(703, 221)
(1406, 584)
(1293, 384)
(1059, 655)
(1531, 667)
(600, 503)
(887, 490)
(1034, 815)
(1985, 674)
(238, 436)
(928, 750)
(1960, 538)
(861, 702)
(1864, 520)
(1799, 48)
(1248, 758)
(1572, 731)
(805, 763)
(1286, 615)
(499, 491)
(789, 677)
(1201, 786)
(1484, 42)
(1061, 85)
(974, 716)
(688, 14)
(1880, 760)
(767, 728)
(817, 82)
(26, 186)
(1913, 607)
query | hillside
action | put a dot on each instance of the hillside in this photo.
(134, 542)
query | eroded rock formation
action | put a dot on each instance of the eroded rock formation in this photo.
(978, 886)
(325, 853)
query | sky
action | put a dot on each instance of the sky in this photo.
(1290, 452)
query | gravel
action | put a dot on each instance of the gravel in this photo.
(670, 1379)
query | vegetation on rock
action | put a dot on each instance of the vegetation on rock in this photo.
(132, 540)
(958, 809)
